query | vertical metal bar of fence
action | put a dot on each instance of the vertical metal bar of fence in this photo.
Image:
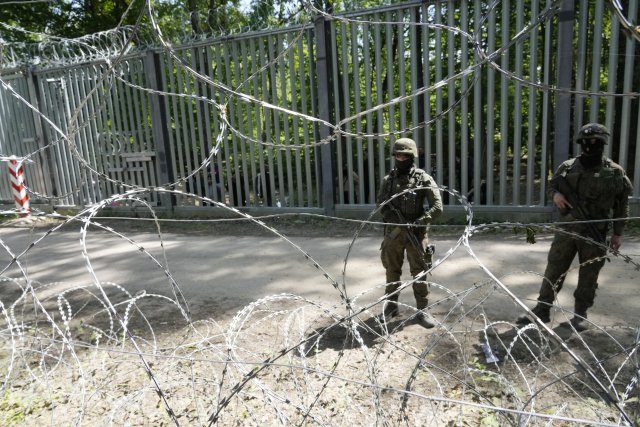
(273, 52)
(193, 139)
(205, 176)
(323, 66)
(401, 61)
(231, 149)
(596, 65)
(627, 86)
(491, 107)
(464, 106)
(546, 106)
(517, 109)
(581, 61)
(249, 129)
(179, 116)
(316, 165)
(563, 82)
(244, 190)
(355, 43)
(379, 112)
(285, 87)
(305, 151)
(105, 186)
(477, 110)
(309, 100)
(344, 160)
(355, 67)
(289, 101)
(532, 107)
(367, 182)
(426, 81)
(612, 68)
(504, 104)
(135, 120)
(197, 143)
(268, 114)
(438, 78)
(391, 122)
(224, 163)
(414, 56)
(159, 125)
(364, 181)
(293, 44)
(451, 100)
(596, 61)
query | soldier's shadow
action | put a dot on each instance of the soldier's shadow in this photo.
(355, 333)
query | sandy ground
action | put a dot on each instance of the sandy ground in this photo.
(222, 272)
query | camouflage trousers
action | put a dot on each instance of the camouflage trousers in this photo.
(561, 254)
(398, 241)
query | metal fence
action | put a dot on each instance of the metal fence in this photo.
(304, 117)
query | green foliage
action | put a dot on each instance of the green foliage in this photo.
(14, 409)
(65, 18)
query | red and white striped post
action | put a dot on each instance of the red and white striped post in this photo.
(19, 191)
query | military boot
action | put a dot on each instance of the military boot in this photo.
(390, 309)
(426, 320)
(541, 311)
(421, 292)
(579, 321)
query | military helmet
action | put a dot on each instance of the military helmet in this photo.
(593, 130)
(405, 145)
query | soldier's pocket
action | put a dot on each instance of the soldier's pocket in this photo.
(393, 234)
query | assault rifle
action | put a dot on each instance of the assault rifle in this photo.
(578, 211)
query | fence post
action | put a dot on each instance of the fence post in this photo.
(159, 127)
(323, 70)
(17, 186)
(562, 123)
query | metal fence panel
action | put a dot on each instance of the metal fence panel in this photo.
(19, 137)
(472, 82)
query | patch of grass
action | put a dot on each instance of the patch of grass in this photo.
(14, 409)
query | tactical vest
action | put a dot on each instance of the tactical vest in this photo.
(409, 206)
(597, 188)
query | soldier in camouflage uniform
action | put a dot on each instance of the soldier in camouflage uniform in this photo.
(405, 231)
(602, 188)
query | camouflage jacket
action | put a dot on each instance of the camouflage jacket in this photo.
(410, 206)
(603, 190)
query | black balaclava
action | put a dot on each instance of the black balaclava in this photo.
(591, 154)
(404, 166)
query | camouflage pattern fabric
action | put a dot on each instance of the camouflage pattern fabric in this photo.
(406, 217)
(604, 192)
